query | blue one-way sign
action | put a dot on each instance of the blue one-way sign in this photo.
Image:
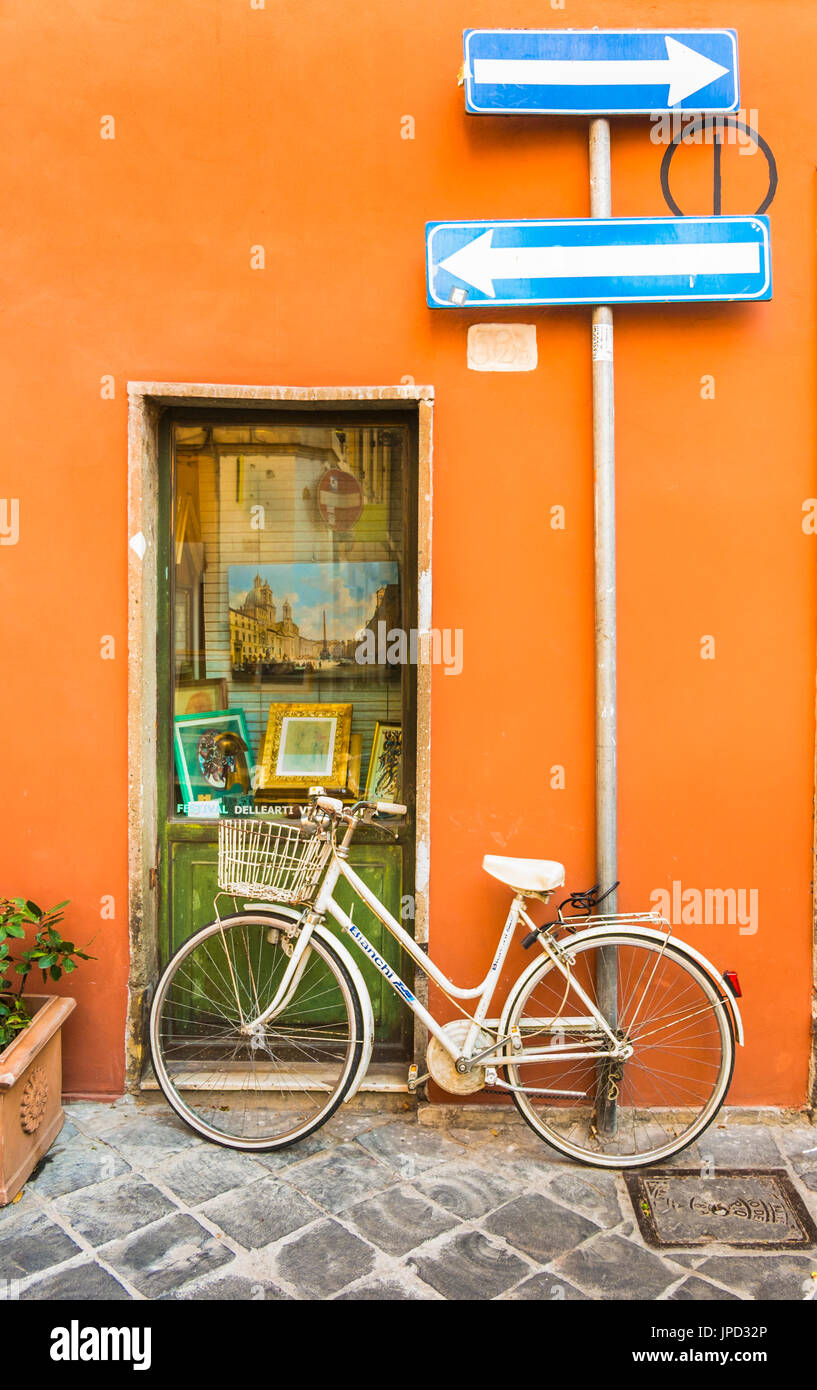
(600, 72)
(621, 260)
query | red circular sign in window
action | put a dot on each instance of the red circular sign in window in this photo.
(340, 500)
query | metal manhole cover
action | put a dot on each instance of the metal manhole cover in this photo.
(752, 1208)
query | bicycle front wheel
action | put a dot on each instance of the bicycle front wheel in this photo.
(628, 1113)
(242, 1083)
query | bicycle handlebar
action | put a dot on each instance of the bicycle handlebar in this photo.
(333, 806)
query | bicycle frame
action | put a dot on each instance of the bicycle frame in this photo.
(325, 902)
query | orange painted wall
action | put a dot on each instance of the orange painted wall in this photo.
(282, 127)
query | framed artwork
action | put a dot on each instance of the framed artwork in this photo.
(305, 744)
(183, 627)
(325, 617)
(188, 530)
(355, 755)
(212, 755)
(385, 777)
(200, 697)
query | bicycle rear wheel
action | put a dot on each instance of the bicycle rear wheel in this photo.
(672, 1086)
(274, 1085)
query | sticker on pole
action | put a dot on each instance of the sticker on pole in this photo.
(621, 260)
(602, 342)
(600, 72)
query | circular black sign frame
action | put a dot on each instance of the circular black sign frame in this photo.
(698, 124)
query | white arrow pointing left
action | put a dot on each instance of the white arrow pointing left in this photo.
(479, 263)
(684, 71)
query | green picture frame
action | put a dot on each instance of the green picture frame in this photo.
(213, 760)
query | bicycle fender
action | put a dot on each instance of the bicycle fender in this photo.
(349, 961)
(279, 909)
(647, 934)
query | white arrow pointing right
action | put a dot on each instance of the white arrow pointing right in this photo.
(479, 263)
(684, 71)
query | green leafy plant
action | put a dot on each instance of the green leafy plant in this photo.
(50, 953)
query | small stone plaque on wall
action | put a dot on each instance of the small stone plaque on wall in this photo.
(502, 347)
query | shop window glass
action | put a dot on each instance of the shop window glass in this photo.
(288, 556)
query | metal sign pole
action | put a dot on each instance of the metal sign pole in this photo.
(604, 505)
(626, 260)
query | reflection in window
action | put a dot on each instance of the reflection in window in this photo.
(289, 578)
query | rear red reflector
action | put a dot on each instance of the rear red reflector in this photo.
(731, 978)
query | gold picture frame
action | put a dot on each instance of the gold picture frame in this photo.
(355, 756)
(384, 781)
(305, 745)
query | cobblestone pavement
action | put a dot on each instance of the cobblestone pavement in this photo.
(387, 1201)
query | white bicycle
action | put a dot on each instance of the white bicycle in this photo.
(261, 1024)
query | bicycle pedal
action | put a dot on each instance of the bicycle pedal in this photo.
(516, 1041)
(414, 1080)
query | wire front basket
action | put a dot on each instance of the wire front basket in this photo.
(269, 860)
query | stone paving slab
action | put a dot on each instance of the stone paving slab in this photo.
(87, 1282)
(33, 1244)
(296, 1153)
(79, 1162)
(467, 1190)
(778, 1276)
(110, 1210)
(548, 1287)
(409, 1149)
(799, 1144)
(166, 1255)
(145, 1140)
(227, 1287)
(592, 1192)
(739, 1146)
(260, 1212)
(530, 1167)
(615, 1268)
(340, 1177)
(539, 1227)
(95, 1117)
(808, 1176)
(795, 1140)
(324, 1260)
(508, 1140)
(471, 1266)
(390, 1290)
(399, 1220)
(211, 1172)
(701, 1291)
(389, 1201)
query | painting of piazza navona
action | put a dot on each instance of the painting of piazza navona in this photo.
(291, 618)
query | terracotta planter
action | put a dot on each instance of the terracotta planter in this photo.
(31, 1113)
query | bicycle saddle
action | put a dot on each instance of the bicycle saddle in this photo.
(525, 875)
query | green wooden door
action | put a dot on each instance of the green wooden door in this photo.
(193, 887)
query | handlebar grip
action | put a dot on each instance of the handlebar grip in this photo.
(390, 808)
